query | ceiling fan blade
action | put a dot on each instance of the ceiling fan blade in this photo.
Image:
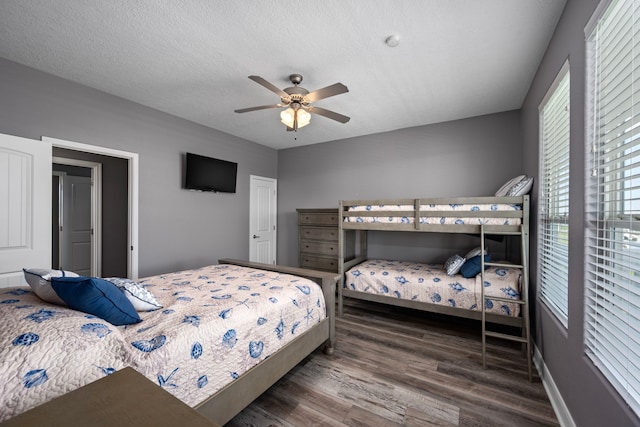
(271, 87)
(325, 92)
(329, 114)
(260, 107)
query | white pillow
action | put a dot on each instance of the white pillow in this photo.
(138, 295)
(522, 187)
(453, 264)
(39, 279)
(474, 252)
(504, 190)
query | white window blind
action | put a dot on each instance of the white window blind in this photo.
(612, 198)
(553, 218)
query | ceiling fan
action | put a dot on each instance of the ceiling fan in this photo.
(297, 101)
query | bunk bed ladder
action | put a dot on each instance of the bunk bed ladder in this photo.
(525, 337)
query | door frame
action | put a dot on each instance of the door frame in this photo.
(133, 190)
(96, 209)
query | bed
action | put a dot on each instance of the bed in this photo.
(502, 300)
(423, 282)
(223, 335)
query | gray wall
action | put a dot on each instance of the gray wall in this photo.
(178, 229)
(471, 157)
(589, 397)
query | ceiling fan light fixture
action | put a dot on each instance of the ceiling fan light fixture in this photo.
(297, 102)
(288, 117)
(304, 118)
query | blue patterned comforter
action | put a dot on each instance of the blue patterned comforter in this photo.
(430, 283)
(216, 323)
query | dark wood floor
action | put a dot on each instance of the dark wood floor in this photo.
(397, 367)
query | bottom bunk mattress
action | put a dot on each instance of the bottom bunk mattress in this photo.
(215, 323)
(430, 283)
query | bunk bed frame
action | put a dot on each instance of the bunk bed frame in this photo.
(411, 218)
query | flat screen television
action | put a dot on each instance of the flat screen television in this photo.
(208, 174)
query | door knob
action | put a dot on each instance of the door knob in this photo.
(256, 236)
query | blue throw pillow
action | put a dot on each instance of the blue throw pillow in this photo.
(96, 296)
(472, 266)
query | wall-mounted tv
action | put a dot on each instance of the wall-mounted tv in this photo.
(208, 174)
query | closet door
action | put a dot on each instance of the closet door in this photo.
(25, 207)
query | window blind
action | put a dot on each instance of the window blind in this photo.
(553, 217)
(612, 204)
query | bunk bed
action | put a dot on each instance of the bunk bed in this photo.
(413, 285)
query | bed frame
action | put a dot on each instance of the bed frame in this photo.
(234, 397)
(414, 213)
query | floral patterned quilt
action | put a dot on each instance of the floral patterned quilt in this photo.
(216, 323)
(430, 283)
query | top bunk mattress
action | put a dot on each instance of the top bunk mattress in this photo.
(420, 214)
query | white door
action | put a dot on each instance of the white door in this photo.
(263, 211)
(25, 207)
(76, 235)
(80, 219)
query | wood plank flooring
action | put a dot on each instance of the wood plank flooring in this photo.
(399, 367)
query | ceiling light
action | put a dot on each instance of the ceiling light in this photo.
(295, 117)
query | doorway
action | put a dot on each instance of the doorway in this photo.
(119, 213)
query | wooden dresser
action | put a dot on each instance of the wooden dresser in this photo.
(318, 239)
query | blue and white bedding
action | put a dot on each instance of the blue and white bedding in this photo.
(493, 217)
(216, 323)
(430, 283)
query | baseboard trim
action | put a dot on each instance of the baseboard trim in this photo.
(559, 407)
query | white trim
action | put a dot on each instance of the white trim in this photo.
(132, 240)
(559, 407)
(595, 18)
(564, 70)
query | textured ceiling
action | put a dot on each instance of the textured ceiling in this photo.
(456, 58)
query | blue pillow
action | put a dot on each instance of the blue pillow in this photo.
(96, 296)
(472, 266)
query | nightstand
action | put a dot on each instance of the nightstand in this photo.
(124, 398)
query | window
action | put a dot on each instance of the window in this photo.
(612, 197)
(553, 218)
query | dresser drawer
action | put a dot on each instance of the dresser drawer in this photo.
(319, 233)
(318, 218)
(321, 248)
(318, 263)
